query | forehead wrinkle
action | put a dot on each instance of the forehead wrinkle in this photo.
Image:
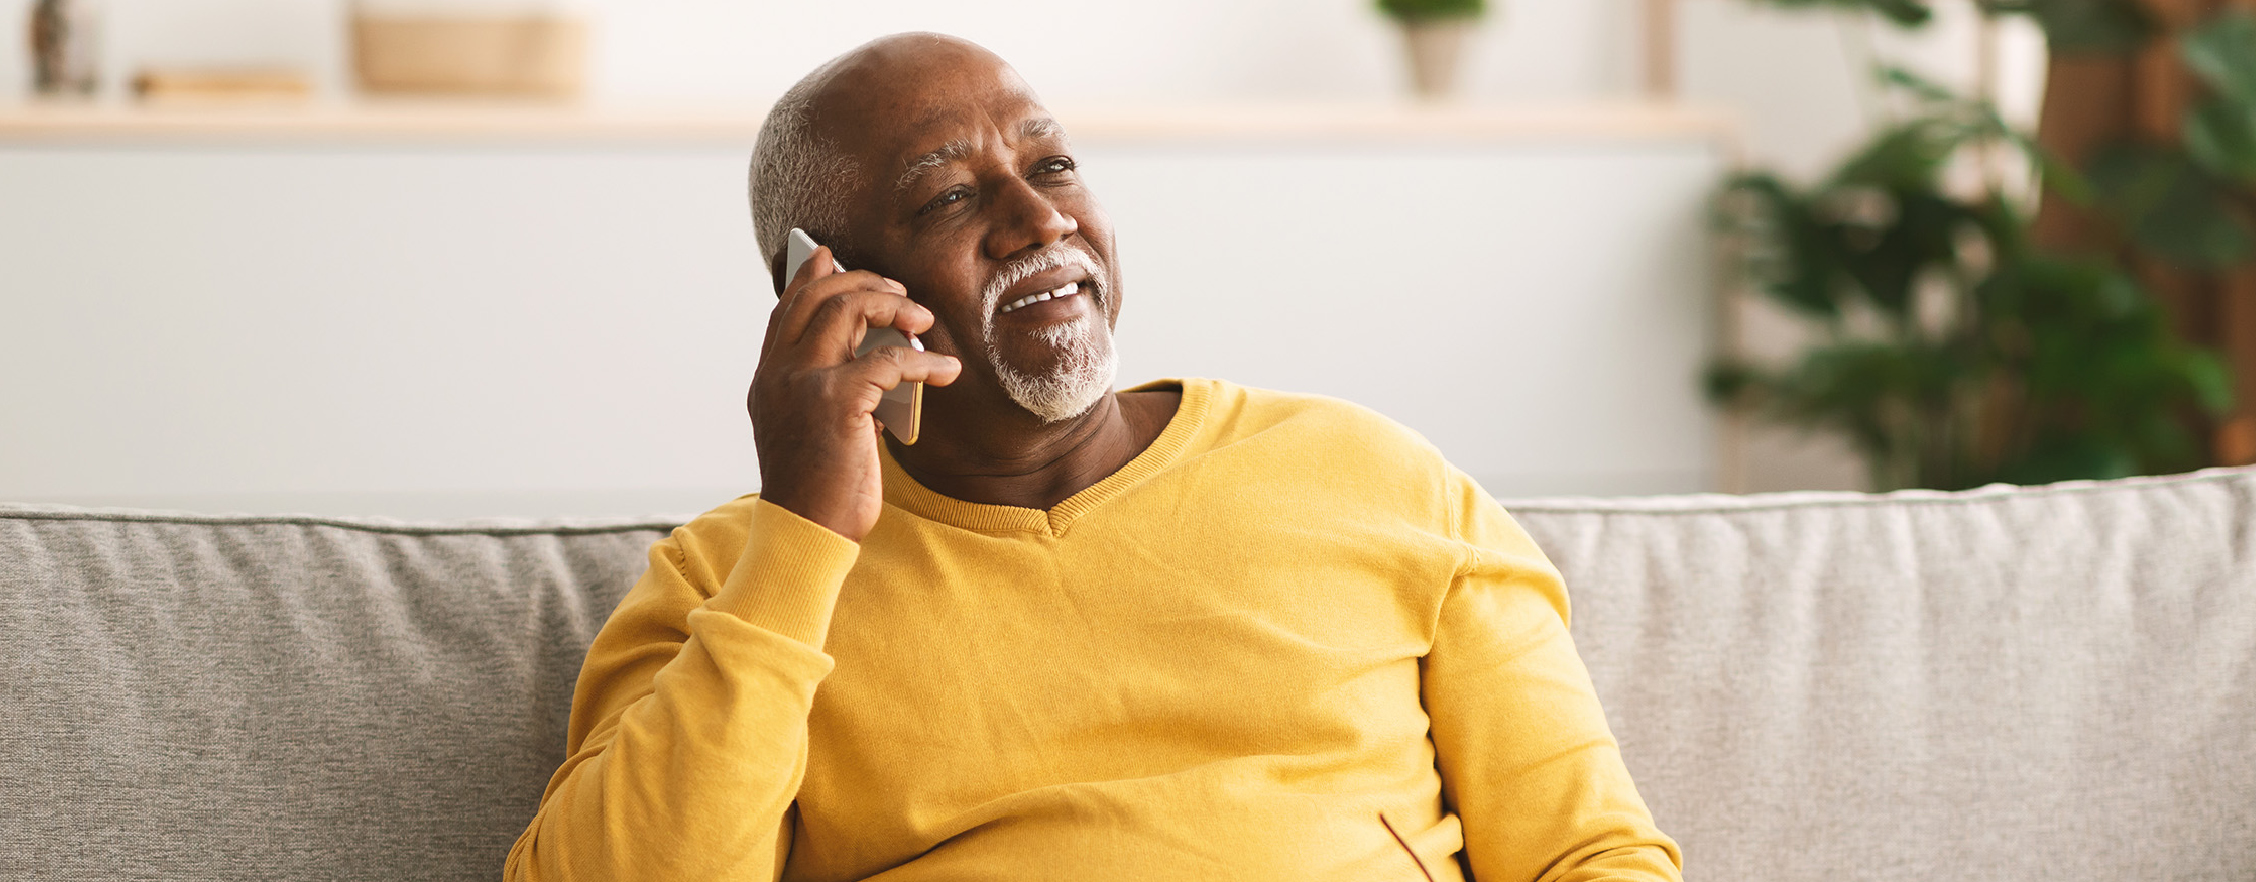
(953, 151)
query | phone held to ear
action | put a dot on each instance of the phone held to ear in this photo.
(903, 406)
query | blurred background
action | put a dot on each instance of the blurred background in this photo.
(482, 257)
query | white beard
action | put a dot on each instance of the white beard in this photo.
(1086, 367)
(1086, 364)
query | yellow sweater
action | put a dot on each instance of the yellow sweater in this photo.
(1287, 618)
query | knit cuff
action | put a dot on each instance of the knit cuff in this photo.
(788, 577)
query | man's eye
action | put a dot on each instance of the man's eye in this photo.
(1055, 165)
(944, 200)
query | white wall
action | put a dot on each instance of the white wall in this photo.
(1797, 80)
(1548, 341)
(250, 329)
(550, 329)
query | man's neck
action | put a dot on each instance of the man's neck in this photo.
(1046, 465)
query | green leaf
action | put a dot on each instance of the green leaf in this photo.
(2058, 174)
(2164, 444)
(1985, 122)
(2090, 26)
(1796, 266)
(1908, 13)
(2170, 206)
(1911, 155)
(1426, 10)
(1912, 81)
(1848, 380)
(2223, 54)
(2003, 225)
(2072, 457)
(1732, 382)
(1921, 234)
(2209, 380)
(2221, 135)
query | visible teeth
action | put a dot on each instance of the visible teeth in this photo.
(1066, 290)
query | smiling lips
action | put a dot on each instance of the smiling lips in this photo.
(1062, 291)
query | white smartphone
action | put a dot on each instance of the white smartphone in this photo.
(902, 408)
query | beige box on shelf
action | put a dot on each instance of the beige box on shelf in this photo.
(518, 55)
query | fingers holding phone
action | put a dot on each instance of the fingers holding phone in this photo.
(818, 282)
(831, 360)
(902, 408)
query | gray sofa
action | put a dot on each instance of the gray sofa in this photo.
(2049, 683)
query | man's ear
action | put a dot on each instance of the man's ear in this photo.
(775, 272)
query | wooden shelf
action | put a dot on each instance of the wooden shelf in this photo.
(738, 123)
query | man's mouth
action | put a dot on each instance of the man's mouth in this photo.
(1061, 292)
(1050, 287)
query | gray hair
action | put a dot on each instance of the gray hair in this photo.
(797, 177)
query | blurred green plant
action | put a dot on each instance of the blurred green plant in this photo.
(2195, 205)
(1426, 10)
(2073, 26)
(1952, 353)
(2069, 25)
(1903, 12)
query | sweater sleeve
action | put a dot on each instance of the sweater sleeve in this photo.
(1526, 758)
(688, 736)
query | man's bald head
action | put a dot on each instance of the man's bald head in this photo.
(803, 166)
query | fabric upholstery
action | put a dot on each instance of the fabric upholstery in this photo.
(2054, 683)
(2049, 683)
(235, 698)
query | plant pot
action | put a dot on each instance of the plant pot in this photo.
(1436, 49)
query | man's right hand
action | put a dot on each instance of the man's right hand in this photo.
(811, 399)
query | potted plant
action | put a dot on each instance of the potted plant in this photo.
(1959, 348)
(1952, 352)
(1433, 33)
(1956, 346)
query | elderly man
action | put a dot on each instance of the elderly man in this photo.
(1187, 630)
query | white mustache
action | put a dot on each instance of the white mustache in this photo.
(1026, 267)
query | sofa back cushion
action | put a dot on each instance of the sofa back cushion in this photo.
(2050, 683)
(287, 698)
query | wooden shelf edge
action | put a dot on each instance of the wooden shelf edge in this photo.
(419, 121)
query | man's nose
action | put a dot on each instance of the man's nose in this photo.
(1030, 222)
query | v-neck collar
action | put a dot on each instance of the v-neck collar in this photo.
(905, 493)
